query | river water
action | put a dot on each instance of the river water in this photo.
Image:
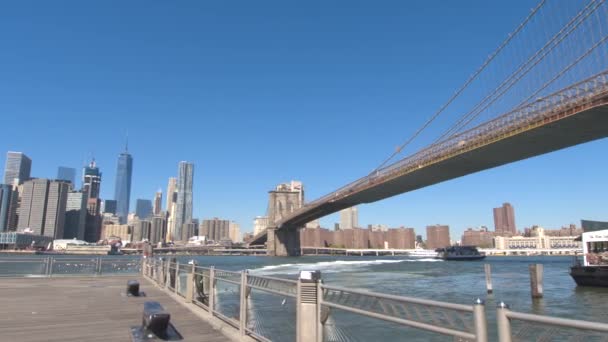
(426, 278)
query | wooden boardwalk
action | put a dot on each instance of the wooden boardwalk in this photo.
(86, 309)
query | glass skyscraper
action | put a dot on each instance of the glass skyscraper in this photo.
(143, 208)
(183, 210)
(18, 166)
(122, 191)
(67, 174)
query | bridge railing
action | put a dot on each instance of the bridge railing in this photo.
(519, 326)
(541, 111)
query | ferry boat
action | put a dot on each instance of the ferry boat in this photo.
(594, 269)
(460, 253)
(422, 253)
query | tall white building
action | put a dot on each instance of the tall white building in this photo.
(349, 218)
(313, 224)
(260, 223)
(234, 232)
(171, 202)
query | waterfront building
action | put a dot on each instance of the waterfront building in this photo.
(14, 240)
(67, 174)
(122, 231)
(188, 231)
(122, 188)
(183, 206)
(6, 194)
(43, 205)
(158, 226)
(437, 236)
(349, 218)
(17, 166)
(539, 241)
(109, 206)
(75, 215)
(479, 238)
(504, 220)
(234, 232)
(171, 206)
(215, 229)
(396, 238)
(143, 208)
(158, 203)
(260, 223)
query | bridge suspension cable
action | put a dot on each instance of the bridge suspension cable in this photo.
(523, 70)
(466, 84)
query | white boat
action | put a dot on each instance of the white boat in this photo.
(422, 253)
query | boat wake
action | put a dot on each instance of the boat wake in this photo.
(336, 266)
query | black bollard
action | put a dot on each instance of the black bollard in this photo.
(133, 288)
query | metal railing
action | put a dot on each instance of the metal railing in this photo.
(68, 266)
(519, 326)
(275, 309)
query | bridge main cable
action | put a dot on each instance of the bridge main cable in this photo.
(465, 85)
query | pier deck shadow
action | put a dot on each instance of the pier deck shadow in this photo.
(87, 309)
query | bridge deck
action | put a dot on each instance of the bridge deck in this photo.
(86, 309)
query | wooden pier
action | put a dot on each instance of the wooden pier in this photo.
(87, 309)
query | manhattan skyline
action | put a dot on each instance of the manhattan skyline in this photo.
(348, 107)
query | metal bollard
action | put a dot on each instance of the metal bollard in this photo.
(481, 324)
(504, 325)
(307, 311)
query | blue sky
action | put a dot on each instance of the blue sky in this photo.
(259, 93)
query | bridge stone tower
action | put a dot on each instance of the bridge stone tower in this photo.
(285, 199)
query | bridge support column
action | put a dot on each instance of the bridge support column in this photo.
(283, 242)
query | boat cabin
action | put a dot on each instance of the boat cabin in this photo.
(595, 248)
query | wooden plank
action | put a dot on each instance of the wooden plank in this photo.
(86, 309)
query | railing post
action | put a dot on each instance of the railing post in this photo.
(211, 290)
(168, 274)
(47, 266)
(321, 315)
(243, 305)
(481, 324)
(98, 266)
(307, 312)
(504, 325)
(536, 280)
(50, 266)
(190, 284)
(177, 284)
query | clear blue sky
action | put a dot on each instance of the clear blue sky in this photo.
(255, 93)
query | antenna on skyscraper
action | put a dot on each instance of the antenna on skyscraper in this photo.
(127, 142)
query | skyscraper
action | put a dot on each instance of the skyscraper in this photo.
(171, 202)
(91, 185)
(43, 206)
(349, 218)
(6, 192)
(67, 174)
(143, 208)
(109, 206)
(122, 191)
(18, 166)
(158, 202)
(504, 220)
(75, 215)
(183, 207)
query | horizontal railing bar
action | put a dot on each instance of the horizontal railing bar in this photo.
(256, 335)
(453, 306)
(414, 324)
(272, 291)
(273, 278)
(564, 322)
(229, 272)
(226, 319)
(228, 281)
